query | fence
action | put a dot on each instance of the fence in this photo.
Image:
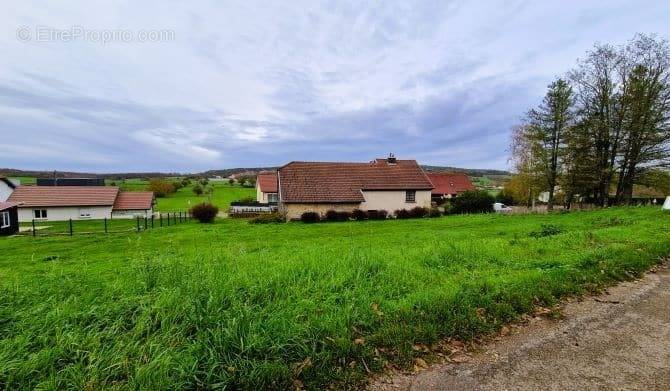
(105, 226)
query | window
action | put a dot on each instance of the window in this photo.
(40, 213)
(4, 220)
(410, 196)
(84, 213)
(272, 197)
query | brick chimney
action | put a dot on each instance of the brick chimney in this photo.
(391, 159)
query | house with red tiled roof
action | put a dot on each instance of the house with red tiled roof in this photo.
(7, 187)
(449, 185)
(266, 187)
(382, 184)
(59, 203)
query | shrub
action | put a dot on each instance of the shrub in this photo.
(402, 214)
(268, 218)
(310, 217)
(434, 212)
(333, 215)
(505, 197)
(343, 216)
(359, 215)
(546, 230)
(377, 214)
(418, 212)
(477, 201)
(197, 190)
(185, 182)
(204, 212)
(161, 187)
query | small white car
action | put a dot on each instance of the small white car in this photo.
(499, 207)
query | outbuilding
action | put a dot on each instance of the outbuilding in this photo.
(9, 219)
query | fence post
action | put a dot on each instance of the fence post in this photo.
(70, 227)
(160, 219)
(34, 231)
(105, 224)
(138, 223)
(145, 223)
(180, 220)
(168, 219)
(152, 221)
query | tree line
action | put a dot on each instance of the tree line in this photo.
(601, 129)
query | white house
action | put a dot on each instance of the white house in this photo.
(7, 187)
(383, 184)
(58, 203)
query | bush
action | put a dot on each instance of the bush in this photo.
(477, 201)
(402, 214)
(205, 212)
(546, 230)
(359, 215)
(333, 215)
(377, 214)
(161, 187)
(268, 218)
(310, 217)
(197, 190)
(418, 212)
(434, 212)
(505, 197)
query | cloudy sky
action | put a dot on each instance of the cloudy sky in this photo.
(187, 86)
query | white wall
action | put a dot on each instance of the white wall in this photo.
(5, 191)
(61, 213)
(131, 214)
(393, 200)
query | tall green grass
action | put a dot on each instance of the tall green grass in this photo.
(239, 306)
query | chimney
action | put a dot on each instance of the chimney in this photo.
(391, 159)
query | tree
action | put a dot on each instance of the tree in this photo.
(546, 130)
(646, 125)
(526, 183)
(197, 190)
(160, 187)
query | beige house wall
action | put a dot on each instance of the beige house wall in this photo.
(391, 201)
(294, 211)
(61, 213)
(260, 196)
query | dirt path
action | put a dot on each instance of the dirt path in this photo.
(616, 341)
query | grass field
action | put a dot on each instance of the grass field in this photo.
(239, 306)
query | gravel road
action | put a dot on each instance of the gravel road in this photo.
(619, 340)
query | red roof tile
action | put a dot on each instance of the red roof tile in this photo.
(450, 183)
(28, 196)
(311, 182)
(7, 205)
(134, 200)
(267, 181)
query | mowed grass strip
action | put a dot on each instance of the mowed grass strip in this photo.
(237, 306)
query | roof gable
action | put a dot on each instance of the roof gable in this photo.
(311, 182)
(267, 182)
(450, 183)
(134, 200)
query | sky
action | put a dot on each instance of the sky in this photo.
(119, 86)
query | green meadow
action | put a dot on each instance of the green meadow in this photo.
(232, 305)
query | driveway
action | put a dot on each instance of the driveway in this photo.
(619, 340)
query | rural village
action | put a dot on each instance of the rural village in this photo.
(378, 232)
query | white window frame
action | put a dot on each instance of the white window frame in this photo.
(85, 213)
(275, 195)
(5, 219)
(42, 214)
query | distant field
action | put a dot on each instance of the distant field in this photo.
(184, 198)
(25, 180)
(238, 306)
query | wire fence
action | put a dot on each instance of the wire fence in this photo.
(73, 227)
